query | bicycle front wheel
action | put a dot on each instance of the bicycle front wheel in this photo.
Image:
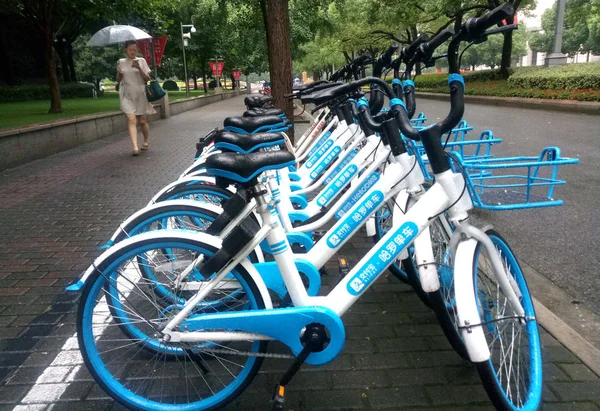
(512, 376)
(119, 327)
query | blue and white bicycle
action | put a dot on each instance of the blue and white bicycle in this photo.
(200, 350)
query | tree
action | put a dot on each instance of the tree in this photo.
(95, 64)
(580, 31)
(42, 14)
(280, 68)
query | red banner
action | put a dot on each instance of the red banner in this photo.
(159, 48)
(217, 68)
(236, 74)
(145, 47)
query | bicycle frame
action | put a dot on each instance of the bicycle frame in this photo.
(435, 201)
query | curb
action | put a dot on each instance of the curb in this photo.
(571, 106)
(567, 336)
(580, 337)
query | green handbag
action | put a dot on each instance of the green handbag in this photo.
(154, 91)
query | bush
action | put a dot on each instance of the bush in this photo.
(170, 85)
(569, 76)
(441, 80)
(212, 84)
(28, 92)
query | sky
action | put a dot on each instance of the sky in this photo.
(536, 19)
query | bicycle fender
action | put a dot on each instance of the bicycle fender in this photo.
(466, 302)
(191, 236)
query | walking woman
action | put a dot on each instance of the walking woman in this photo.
(132, 74)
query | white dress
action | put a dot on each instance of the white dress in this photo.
(132, 90)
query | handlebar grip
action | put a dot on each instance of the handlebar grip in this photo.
(476, 26)
(365, 116)
(397, 86)
(408, 51)
(428, 48)
(409, 98)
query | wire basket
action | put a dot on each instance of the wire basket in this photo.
(514, 182)
(419, 121)
(467, 149)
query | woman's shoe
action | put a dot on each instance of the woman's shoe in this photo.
(136, 153)
(145, 146)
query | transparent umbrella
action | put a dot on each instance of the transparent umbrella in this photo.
(117, 34)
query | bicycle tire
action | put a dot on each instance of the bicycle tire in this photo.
(91, 336)
(186, 190)
(491, 372)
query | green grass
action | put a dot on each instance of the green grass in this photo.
(178, 95)
(25, 113)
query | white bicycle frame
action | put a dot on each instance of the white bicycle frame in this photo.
(434, 202)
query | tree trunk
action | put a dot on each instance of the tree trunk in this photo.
(195, 82)
(507, 45)
(55, 103)
(71, 61)
(232, 83)
(506, 54)
(265, 16)
(316, 76)
(7, 68)
(59, 46)
(204, 83)
(280, 68)
(587, 57)
(414, 34)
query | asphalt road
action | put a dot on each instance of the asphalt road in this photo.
(561, 243)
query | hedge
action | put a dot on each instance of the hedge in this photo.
(501, 89)
(569, 76)
(170, 85)
(42, 92)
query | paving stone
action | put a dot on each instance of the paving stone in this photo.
(83, 405)
(401, 344)
(578, 372)
(359, 346)
(453, 394)
(415, 376)
(380, 360)
(571, 406)
(560, 355)
(397, 397)
(334, 400)
(434, 359)
(359, 379)
(370, 331)
(576, 391)
(11, 394)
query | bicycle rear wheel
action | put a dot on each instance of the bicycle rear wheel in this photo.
(118, 328)
(512, 376)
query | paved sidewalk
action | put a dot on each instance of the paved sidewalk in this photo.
(56, 212)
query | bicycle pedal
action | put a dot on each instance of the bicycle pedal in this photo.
(343, 268)
(278, 400)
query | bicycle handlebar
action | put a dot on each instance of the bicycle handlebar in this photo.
(476, 26)
(408, 51)
(426, 49)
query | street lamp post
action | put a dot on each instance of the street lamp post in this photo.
(184, 42)
(557, 58)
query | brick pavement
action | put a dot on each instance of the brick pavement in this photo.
(56, 212)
